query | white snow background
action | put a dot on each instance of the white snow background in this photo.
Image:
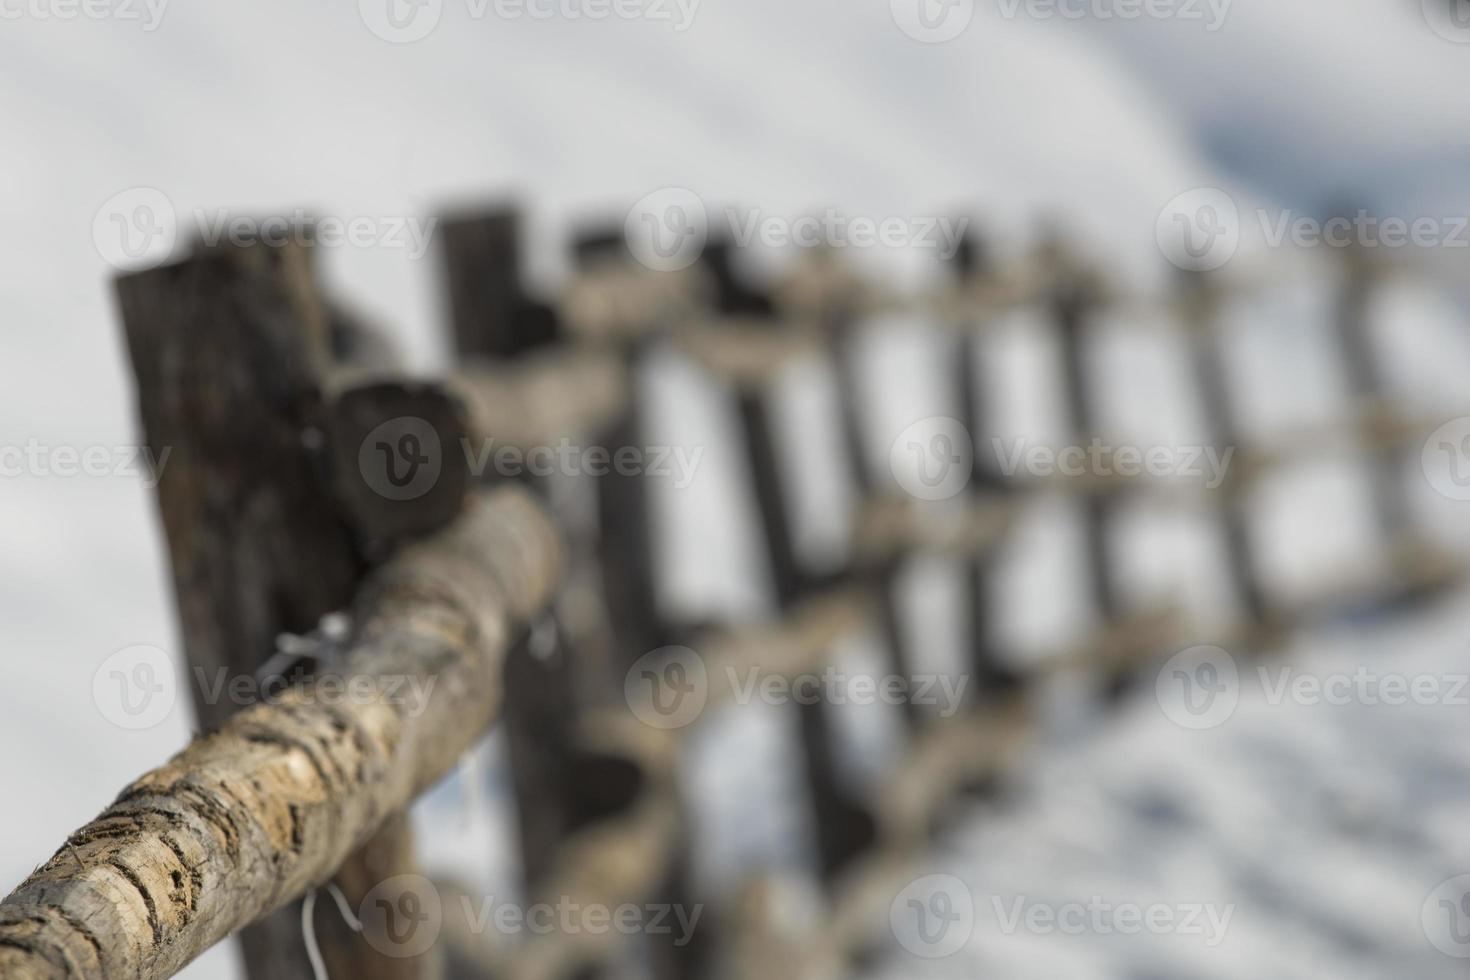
(1326, 827)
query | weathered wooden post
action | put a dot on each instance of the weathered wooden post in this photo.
(491, 313)
(625, 517)
(482, 261)
(1201, 302)
(232, 355)
(1072, 307)
(844, 826)
(1368, 391)
(566, 782)
(1073, 303)
(842, 328)
(631, 593)
(991, 675)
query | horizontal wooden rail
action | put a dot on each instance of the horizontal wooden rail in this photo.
(614, 303)
(266, 808)
(542, 398)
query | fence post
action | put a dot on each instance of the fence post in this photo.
(492, 318)
(843, 826)
(1367, 390)
(1222, 429)
(841, 327)
(490, 312)
(630, 587)
(1072, 309)
(992, 677)
(563, 784)
(231, 351)
(1074, 303)
(624, 509)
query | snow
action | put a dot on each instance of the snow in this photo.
(790, 108)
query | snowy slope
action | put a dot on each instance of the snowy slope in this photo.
(763, 104)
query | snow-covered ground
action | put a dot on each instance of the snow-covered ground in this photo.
(1326, 828)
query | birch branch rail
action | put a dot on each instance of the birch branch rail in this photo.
(253, 815)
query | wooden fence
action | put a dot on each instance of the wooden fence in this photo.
(309, 476)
